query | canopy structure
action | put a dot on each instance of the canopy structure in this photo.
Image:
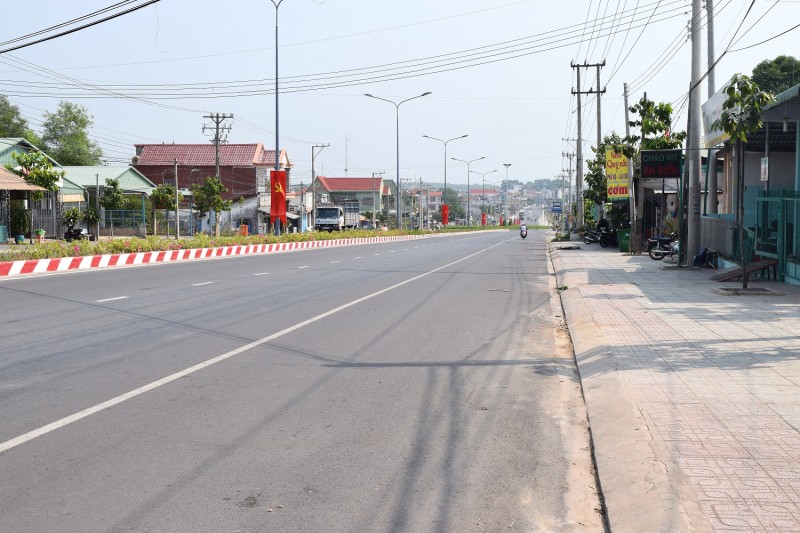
(11, 182)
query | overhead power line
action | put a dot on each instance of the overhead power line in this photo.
(79, 28)
(474, 57)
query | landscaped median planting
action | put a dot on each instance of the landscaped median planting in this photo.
(84, 255)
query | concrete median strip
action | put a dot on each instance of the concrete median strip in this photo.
(89, 262)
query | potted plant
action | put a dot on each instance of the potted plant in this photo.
(71, 217)
(92, 218)
(19, 226)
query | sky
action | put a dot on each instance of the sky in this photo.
(497, 70)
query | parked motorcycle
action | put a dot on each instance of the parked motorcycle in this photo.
(591, 237)
(73, 234)
(660, 247)
(604, 237)
(608, 237)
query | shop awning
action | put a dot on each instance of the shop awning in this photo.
(11, 182)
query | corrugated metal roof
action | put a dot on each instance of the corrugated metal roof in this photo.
(11, 182)
(129, 178)
(8, 145)
(199, 154)
(350, 184)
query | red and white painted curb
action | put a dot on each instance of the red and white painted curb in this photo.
(64, 264)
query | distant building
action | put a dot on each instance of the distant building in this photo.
(244, 171)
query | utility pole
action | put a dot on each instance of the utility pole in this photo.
(374, 205)
(220, 136)
(566, 208)
(636, 239)
(505, 196)
(177, 193)
(314, 152)
(97, 207)
(579, 166)
(694, 156)
(711, 189)
(219, 130)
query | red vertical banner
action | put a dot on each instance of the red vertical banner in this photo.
(278, 198)
(502, 220)
(483, 219)
(445, 214)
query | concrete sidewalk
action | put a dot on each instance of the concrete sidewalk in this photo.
(693, 397)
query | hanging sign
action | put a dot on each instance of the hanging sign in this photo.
(661, 164)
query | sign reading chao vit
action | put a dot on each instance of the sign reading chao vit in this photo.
(616, 175)
(661, 164)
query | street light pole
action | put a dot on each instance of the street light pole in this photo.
(483, 200)
(468, 195)
(397, 148)
(277, 4)
(505, 195)
(444, 191)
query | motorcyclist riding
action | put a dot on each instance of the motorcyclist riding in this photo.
(523, 230)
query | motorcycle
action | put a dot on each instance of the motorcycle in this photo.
(604, 237)
(591, 237)
(660, 247)
(73, 234)
(608, 237)
(523, 233)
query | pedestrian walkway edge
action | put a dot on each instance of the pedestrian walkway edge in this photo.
(636, 486)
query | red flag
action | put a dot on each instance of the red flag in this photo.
(278, 200)
(483, 219)
(445, 214)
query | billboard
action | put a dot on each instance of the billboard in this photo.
(616, 175)
(661, 164)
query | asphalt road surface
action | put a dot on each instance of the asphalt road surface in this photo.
(415, 386)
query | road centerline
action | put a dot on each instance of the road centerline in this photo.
(43, 430)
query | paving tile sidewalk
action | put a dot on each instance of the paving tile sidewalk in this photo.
(693, 397)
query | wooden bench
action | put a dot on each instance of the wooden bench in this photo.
(730, 274)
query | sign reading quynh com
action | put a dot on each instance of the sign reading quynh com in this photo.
(616, 175)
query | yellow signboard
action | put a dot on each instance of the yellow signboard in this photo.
(616, 175)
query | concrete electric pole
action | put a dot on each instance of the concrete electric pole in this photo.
(579, 166)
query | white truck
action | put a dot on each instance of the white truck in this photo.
(337, 217)
(329, 217)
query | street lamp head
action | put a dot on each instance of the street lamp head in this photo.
(367, 94)
(426, 93)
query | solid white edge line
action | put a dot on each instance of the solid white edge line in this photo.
(9, 444)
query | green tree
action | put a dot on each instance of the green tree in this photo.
(65, 136)
(655, 126)
(13, 124)
(655, 133)
(163, 197)
(36, 169)
(113, 197)
(208, 197)
(741, 115)
(777, 75)
(450, 197)
(597, 191)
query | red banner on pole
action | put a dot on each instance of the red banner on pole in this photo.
(483, 219)
(445, 214)
(278, 197)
